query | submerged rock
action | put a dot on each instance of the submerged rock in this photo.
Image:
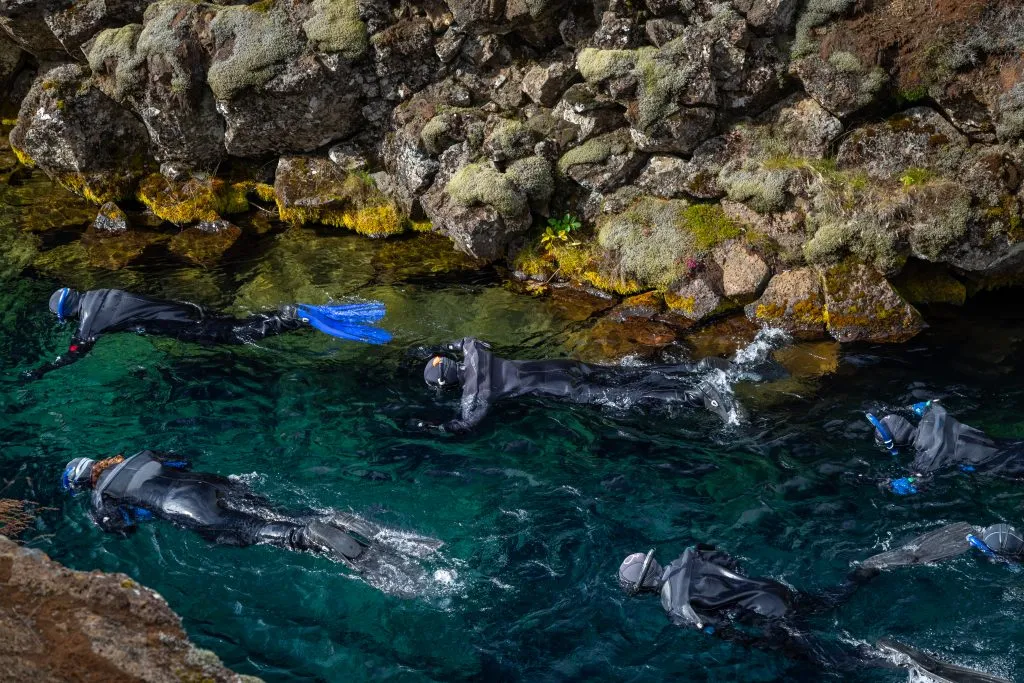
(611, 340)
(110, 219)
(58, 624)
(205, 243)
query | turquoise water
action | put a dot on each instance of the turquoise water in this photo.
(536, 509)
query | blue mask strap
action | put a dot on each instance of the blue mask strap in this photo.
(60, 303)
(883, 432)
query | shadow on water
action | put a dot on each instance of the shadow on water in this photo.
(536, 509)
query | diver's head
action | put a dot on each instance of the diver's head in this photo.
(639, 573)
(1004, 540)
(77, 475)
(64, 303)
(892, 431)
(441, 372)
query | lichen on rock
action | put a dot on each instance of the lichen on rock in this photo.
(335, 26)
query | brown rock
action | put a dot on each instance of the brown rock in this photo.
(793, 301)
(610, 340)
(744, 272)
(545, 85)
(695, 300)
(62, 625)
(863, 306)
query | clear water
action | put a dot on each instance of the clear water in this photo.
(536, 509)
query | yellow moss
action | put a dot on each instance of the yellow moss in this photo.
(421, 226)
(684, 304)
(375, 221)
(533, 261)
(193, 200)
(264, 192)
(100, 189)
(23, 158)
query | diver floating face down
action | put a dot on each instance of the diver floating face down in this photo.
(441, 372)
(640, 573)
(64, 303)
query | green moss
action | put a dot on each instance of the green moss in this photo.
(846, 62)
(533, 261)
(350, 201)
(709, 225)
(761, 189)
(510, 139)
(594, 151)
(649, 242)
(916, 176)
(598, 65)
(251, 45)
(533, 176)
(335, 27)
(113, 53)
(481, 183)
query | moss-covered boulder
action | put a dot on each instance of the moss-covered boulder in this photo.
(861, 305)
(917, 138)
(315, 190)
(195, 199)
(841, 83)
(80, 137)
(481, 208)
(793, 301)
(158, 71)
(604, 163)
(274, 94)
(659, 242)
(111, 219)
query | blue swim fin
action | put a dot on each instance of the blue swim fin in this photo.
(344, 329)
(362, 313)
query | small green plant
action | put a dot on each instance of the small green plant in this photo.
(559, 229)
(916, 176)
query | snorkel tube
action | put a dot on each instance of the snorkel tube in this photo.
(883, 433)
(60, 303)
(643, 574)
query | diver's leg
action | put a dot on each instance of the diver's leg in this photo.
(934, 546)
(315, 537)
(218, 330)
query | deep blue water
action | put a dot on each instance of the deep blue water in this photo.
(536, 509)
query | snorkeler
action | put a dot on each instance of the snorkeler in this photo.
(705, 589)
(998, 542)
(148, 485)
(485, 378)
(112, 310)
(941, 442)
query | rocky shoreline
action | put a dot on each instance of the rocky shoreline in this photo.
(61, 625)
(822, 167)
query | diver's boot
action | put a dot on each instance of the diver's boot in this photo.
(288, 312)
(714, 401)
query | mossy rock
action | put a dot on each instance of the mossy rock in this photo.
(314, 190)
(861, 305)
(193, 200)
(205, 245)
(113, 252)
(793, 301)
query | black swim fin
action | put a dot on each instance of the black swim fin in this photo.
(934, 546)
(928, 668)
(333, 541)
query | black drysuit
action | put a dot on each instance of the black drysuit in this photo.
(487, 378)
(705, 589)
(223, 511)
(941, 442)
(112, 310)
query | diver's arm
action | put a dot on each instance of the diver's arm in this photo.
(114, 519)
(76, 350)
(473, 413)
